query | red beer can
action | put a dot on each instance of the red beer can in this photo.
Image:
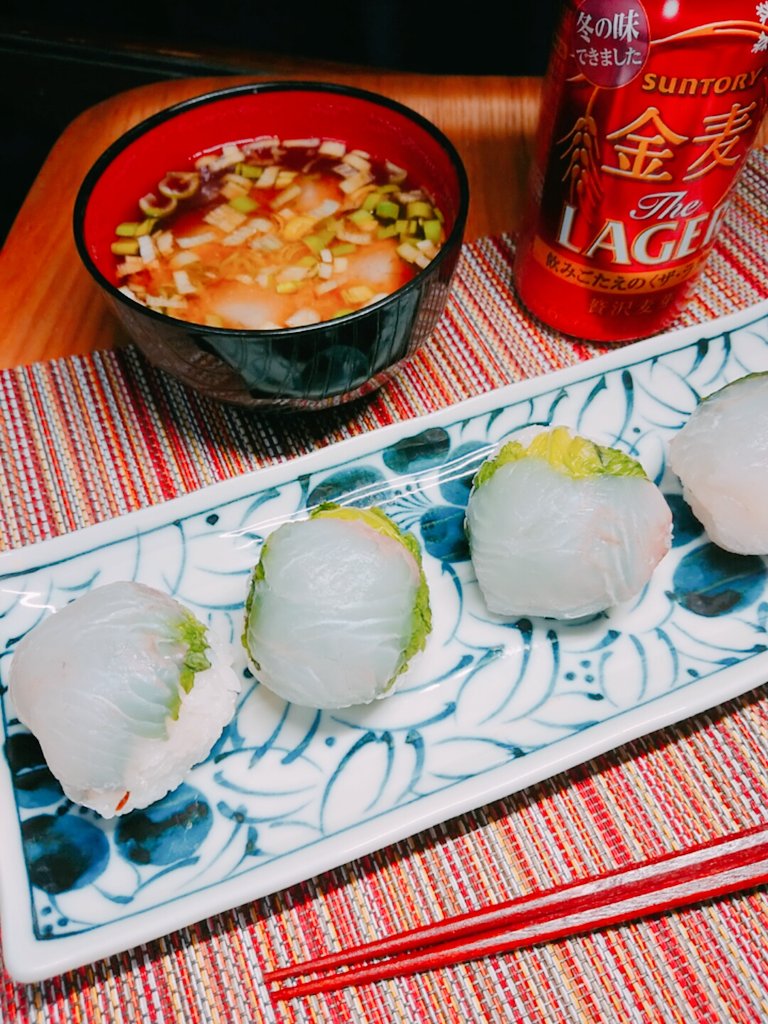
(649, 110)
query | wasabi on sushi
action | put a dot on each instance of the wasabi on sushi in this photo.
(562, 527)
(720, 455)
(125, 691)
(337, 608)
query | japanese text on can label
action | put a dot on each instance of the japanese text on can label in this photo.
(645, 145)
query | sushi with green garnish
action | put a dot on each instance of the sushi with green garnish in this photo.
(562, 527)
(125, 690)
(338, 606)
(720, 455)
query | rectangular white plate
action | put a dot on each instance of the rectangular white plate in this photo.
(489, 707)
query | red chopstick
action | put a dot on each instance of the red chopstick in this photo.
(722, 865)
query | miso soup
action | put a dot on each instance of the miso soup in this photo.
(276, 233)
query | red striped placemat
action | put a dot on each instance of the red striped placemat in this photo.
(84, 439)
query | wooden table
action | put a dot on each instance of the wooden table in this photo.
(50, 306)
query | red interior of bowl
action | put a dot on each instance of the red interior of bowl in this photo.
(173, 143)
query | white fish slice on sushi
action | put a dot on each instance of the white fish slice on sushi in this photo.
(337, 608)
(125, 690)
(562, 527)
(720, 455)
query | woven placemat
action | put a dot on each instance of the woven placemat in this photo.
(88, 438)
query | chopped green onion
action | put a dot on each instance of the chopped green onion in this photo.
(433, 230)
(418, 208)
(244, 204)
(362, 218)
(157, 206)
(249, 171)
(127, 229)
(128, 247)
(319, 240)
(179, 184)
(387, 210)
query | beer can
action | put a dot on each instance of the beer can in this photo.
(649, 110)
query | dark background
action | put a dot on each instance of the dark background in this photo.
(59, 58)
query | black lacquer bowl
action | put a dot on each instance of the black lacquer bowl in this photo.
(307, 367)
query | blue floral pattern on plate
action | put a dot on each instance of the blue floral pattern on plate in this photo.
(490, 707)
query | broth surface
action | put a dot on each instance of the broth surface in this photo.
(276, 233)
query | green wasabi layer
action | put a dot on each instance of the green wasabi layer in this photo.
(572, 455)
(193, 635)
